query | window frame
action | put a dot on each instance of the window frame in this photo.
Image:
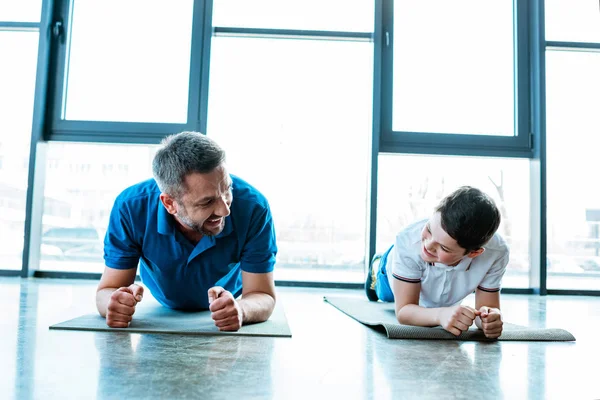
(554, 46)
(57, 128)
(328, 35)
(41, 77)
(519, 145)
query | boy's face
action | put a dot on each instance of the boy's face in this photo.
(438, 246)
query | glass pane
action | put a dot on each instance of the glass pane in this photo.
(82, 182)
(20, 11)
(572, 104)
(283, 119)
(572, 21)
(404, 198)
(132, 65)
(17, 88)
(323, 15)
(453, 67)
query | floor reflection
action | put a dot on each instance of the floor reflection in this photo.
(24, 387)
(437, 369)
(329, 356)
(169, 365)
(9, 323)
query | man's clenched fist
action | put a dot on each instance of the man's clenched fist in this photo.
(226, 311)
(121, 305)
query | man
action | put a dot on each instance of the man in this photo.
(197, 248)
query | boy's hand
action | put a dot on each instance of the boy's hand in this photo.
(457, 319)
(491, 321)
(226, 311)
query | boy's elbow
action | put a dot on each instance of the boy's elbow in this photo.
(401, 315)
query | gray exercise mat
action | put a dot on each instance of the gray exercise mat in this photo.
(382, 315)
(155, 318)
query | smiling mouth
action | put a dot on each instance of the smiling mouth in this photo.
(214, 221)
(427, 253)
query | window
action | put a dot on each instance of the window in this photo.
(459, 83)
(323, 15)
(283, 110)
(22, 10)
(410, 187)
(572, 21)
(131, 75)
(573, 216)
(17, 83)
(450, 73)
(129, 71)
(77, 201)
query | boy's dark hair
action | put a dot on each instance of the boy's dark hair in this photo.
(469, 216)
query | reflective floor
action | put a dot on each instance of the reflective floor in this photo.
(330, 356)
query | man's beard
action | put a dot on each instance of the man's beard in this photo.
(193, 225)
(198, 228)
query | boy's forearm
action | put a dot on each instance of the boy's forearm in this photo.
(412, 314)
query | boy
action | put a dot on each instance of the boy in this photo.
(436, 263)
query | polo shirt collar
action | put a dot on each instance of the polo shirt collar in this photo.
(165, 220)
(227, 229)
(463, 265)
(210, 241)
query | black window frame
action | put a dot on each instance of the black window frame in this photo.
(57, 128)
(519, 145)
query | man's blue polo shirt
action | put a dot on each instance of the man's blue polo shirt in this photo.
(178, 273)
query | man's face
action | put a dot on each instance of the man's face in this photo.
(206, 202)
(437, 245)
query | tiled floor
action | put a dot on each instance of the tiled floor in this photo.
(330, 356)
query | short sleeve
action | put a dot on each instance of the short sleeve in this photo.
(260, 248)
(404, 267)
(120, 249)
(493, 278)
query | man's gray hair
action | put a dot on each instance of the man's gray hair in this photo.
(183, 154)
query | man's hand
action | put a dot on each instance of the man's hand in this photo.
(121, 305)
(226, 311)
(491, 321)
(457, 319)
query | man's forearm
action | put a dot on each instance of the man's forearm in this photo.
(256, 307)
(412, 314)
(102, 298)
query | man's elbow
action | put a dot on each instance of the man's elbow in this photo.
(101, 300)
(270, 297)
(258, 306)
(271, 300)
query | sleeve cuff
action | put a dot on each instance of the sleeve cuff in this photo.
(405, 279)
(258, 268)
(490, 290)
(120, 264)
